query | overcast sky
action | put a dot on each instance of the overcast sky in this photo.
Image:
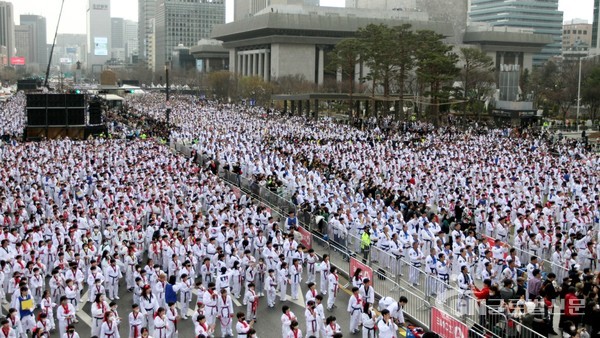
(74, 12)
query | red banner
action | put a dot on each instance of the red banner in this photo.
(304, 237)
(447, 326)
(17, 61)
(367, 271)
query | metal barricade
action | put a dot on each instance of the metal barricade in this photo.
(341, 245)
(417, 308)
(384, 261)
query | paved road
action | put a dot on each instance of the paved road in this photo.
(268, 325)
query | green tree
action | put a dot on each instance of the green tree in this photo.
(405, 58)
(556, 86)
(223, 84)
(436, 67)
(590, 92)
(477, 75)
(344, 57)
(255, 87)
(378, 42)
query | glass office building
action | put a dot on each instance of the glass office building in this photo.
(184, 22)
(540, 16)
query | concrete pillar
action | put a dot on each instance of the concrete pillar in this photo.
(338, 75)
(238, 66)
(261, 64)
(250, 64)
(243, 57)
(233, 65)
(316, 109)
(293, 108)
(256, 63)
(267, 66)
(300, 110)
(207, 65)
(321, 67)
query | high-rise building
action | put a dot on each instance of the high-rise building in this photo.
(7, 30)
(98, 34)
(117, 41)
(124, 39)
(131, 39)
(247, 8)
(146, 10)
(117, 32)
(538, 16)
(24, 42)
(183, 22)
(40, 44)
(577, 36)
(596, 26)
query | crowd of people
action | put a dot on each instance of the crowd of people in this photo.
(110, 213)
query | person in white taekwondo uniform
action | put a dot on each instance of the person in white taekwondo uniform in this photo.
(387, 327)
(242, 327)
(355, 309)
(465, 284)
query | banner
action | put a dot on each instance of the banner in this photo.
(304, 237)
(447, 326)
(367, 271)
(17, 61)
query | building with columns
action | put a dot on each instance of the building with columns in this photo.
(293, 40)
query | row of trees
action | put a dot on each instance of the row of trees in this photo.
(554, 86)
(401, 60)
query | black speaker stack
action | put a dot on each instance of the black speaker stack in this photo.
(58, 116)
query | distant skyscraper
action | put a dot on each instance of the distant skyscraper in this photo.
(24, 42)
(124, 39)
(146, 11)
(181, 22)
(40, 44)
(541, 16)
(98, 33)
(246, 8)
(131, 39)
(7, 30)
(117, 41)
(596, 25)
(117, 32)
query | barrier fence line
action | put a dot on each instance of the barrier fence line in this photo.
(342, 247)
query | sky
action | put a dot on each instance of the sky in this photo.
(73, 20)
